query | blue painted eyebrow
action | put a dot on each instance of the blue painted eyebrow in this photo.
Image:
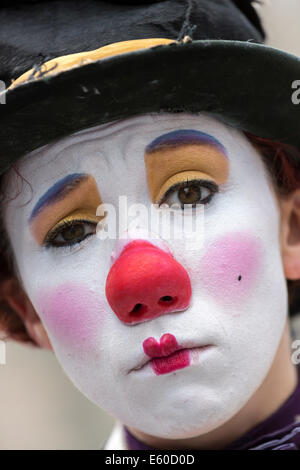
(182, 137)
(57, 192)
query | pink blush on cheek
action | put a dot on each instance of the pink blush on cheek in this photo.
(71, 313)
(230, 268)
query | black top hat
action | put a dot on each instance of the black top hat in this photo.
(208, 57)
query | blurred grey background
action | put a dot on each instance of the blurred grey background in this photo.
(39, 406)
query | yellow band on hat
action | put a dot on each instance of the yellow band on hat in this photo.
(66, 62)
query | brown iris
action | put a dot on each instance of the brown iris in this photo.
(73, 232)
(189, 195)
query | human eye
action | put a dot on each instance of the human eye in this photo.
(69, 233)
(189, 192)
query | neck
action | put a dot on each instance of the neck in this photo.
(277, 386)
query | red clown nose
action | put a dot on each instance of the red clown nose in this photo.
(146, 282)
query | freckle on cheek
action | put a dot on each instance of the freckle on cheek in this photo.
(71, 313)
(230, 268)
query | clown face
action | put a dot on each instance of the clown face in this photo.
(170, 338)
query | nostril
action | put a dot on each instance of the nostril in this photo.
(138, 309)
(167, 300)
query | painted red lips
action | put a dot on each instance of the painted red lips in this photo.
(167, 345)
(167, 356)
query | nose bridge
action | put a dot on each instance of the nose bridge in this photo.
(134, 234)
(146, 281)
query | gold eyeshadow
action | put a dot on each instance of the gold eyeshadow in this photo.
(181, 178)
(81, 204)
(170, 165)
(77, 217)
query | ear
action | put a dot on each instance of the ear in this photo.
(16, 297)
(290, 235)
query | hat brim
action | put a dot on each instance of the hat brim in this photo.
(244, 84)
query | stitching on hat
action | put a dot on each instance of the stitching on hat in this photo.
(187, 28)
(37, 71)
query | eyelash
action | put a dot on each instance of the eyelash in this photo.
(49, 240)
(213, 187)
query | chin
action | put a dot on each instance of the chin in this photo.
(185, 416)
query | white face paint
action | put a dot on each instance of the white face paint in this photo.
(239, 296)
